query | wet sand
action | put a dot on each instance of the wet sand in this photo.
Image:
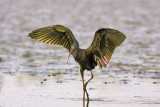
(35, 74)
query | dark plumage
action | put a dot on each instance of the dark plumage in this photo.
(98, 53)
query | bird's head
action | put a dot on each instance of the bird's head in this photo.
(73, 48)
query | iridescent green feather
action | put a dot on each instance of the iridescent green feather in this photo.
(56, 35)
(104, 43)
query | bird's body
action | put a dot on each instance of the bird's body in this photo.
(98, 53)
(84, 58)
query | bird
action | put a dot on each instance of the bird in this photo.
(98, 53)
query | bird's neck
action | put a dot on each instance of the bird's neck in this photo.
(75, 53)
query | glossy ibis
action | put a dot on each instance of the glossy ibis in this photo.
(98, 53)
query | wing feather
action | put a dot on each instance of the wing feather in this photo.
(104, 43)
(55, 35)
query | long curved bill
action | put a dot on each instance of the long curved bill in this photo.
(69, 55)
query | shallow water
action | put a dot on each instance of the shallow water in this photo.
(35, 74)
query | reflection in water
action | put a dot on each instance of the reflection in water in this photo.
(23, 87)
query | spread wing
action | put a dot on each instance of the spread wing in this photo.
(55, 35)
(104, 44)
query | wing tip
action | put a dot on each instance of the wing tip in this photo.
(32, 35)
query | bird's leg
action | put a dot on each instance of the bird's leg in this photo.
(85, 85)
(87, 98)
(82, 75)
